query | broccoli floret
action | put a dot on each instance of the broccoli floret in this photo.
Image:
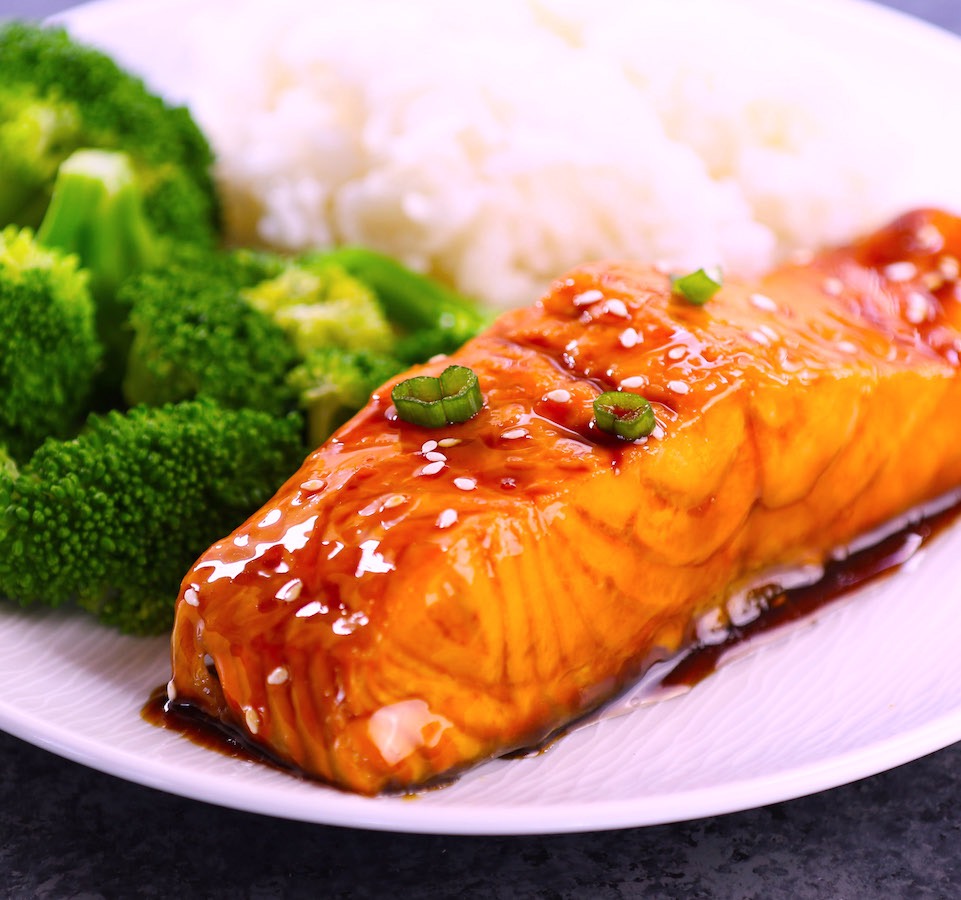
(115, 517)
(357, 318)
(412, 302)
(319, 305)
(36, 134)
(195, 336)
(49, 352)
(60, 96)
(334, 383)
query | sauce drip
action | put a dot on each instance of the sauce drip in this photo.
(799, 605)
(206, 732)
(783, 609)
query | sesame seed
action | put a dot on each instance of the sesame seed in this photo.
(901, 271)
(932, 280)
(949, 267)
(171, 691)
(676, 353)
(514, 434)
(394, 500)
(447, 518)
(588, 297)
(448, 442)
(658, 432)
(929, 238)
(437, 357)
(633, 381)
(191, 598)
(312, 485)
(435, 456)
(768, 331)
(427, 446)
(252, 720)
(314, 608)
(432, 468)
(679, 387)
(712, 628)
(559, 396)
(465, 484)
(616, 308)
(278, 675)
(847, 347)
(759, 337)
(833, 286)
(762, 301)
(290, 591)
(629, 338)
(917, 310)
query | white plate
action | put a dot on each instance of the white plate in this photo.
(874, 682)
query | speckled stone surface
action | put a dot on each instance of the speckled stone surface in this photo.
(67, 831)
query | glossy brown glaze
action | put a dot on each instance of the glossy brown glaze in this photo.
(394, 615)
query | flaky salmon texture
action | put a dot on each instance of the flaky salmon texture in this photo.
(414, 601)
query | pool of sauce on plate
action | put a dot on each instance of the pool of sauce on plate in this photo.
(783, 608)
(799, 605)
(200, 729)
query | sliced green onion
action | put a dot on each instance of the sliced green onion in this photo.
(697, 287)
(627, 415)
(431, 402)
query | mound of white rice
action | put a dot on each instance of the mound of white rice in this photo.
(496, 144)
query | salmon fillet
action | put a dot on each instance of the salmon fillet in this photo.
(413, 600)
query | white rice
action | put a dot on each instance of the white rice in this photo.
(496, 144)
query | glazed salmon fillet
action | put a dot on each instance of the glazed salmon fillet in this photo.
(413, 600)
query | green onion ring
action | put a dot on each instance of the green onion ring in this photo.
(697, 287)
(431, 402)
(624, 414)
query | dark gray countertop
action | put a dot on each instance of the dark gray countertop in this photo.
(67, 831)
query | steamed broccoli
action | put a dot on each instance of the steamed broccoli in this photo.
(115, 517)
(48, 347)
(194, 335)
(57, 96)
(36, 134)
(230, 325)
(319, 305)
(436, 318)
(357, 318)
(333, 383)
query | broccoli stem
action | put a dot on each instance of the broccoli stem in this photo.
(96, 212)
